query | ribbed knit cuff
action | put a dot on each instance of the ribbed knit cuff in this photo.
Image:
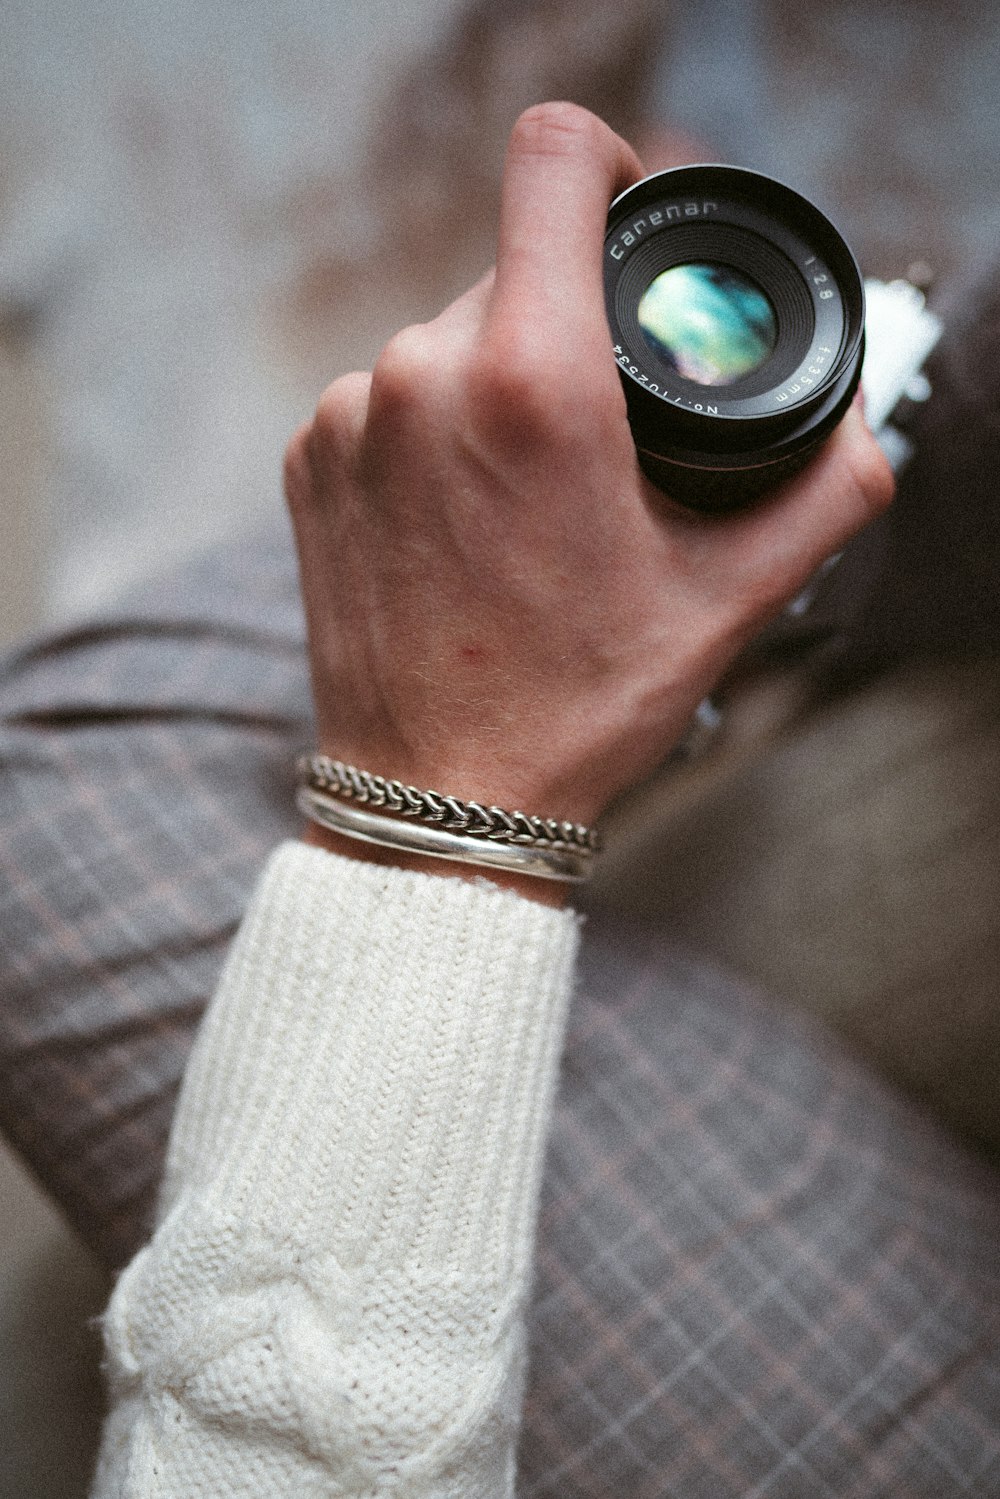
(376, 1071)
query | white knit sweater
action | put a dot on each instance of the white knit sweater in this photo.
(333, 1303)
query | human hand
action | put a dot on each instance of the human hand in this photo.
(499, 605)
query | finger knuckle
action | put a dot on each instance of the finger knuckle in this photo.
(872, 474)
(332, 428)
(859, 472)
(515, 392)
(557, 128)
(405, 373)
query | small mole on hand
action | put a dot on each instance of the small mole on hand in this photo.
(474, 652)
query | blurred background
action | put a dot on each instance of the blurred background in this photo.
(207, 213)
(202, 221)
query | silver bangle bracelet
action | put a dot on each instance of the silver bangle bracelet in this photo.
(562, 862)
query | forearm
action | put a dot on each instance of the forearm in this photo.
(498, 606)
(334, 1299)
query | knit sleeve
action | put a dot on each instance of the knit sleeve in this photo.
(333, 1302)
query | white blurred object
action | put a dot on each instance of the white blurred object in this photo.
(899, 335)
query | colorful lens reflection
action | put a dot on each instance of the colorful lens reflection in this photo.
(708, 322)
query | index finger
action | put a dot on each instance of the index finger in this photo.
(562, 169)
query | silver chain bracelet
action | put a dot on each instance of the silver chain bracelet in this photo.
(447, 812)
(447, 826)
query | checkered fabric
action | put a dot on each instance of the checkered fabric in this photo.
(145, 772)
(760, 1273)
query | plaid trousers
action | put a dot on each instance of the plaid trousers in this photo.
(760, 1272)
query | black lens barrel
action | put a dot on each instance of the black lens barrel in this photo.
(720, 447)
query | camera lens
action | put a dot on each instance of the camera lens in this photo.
(737, 315)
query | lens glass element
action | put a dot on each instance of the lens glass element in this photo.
(710, 323)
